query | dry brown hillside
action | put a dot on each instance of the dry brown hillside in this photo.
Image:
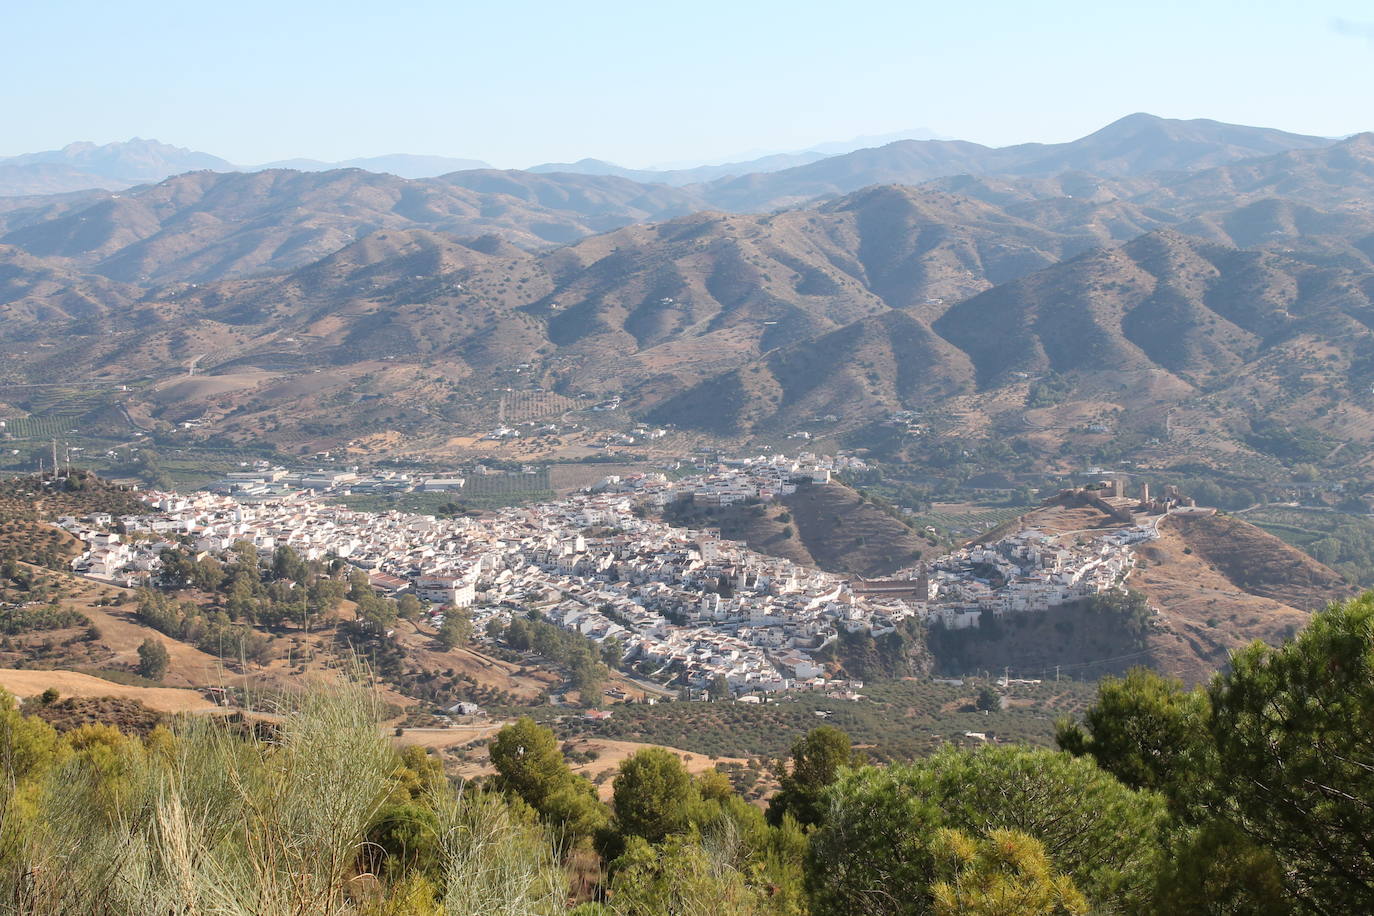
(1221, 583)
(830, 526)
(1259, 562)
(204, 226)
(1217, 582)
(326, 306)
(843, 532)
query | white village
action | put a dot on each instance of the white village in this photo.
(685, 606)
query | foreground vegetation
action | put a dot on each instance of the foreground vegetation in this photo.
(1251, 796)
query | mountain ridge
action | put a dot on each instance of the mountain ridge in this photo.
(1133, 145)
(1130, 145)
(737, 325)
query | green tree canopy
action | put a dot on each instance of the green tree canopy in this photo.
(872, 852)
(528, 762)
(1146, 730)
(408, 607)
(530, 766)
(654, 795)
(153, 659)
(456, 629)
(1217, 869)
(678, 878)
(988, 699)
(719, 688)
(1006, 874)
(1294, 734)
(816, 761)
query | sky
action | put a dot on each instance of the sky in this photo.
(518, 82)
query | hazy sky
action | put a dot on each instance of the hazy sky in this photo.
(516, 82)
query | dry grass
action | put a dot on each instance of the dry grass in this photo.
(28, 682)
(214, 822)
(1205, 613)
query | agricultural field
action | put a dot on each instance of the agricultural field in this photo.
(1342, 541)
(65, 400)
(53, 410)
(968, 518)
(190, 468)
(893, 720)
(516, 490)
(38, 426)
(506, 484)
(566, 477)
(519, 406)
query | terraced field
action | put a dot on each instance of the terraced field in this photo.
(538, 405)
(1341, 540)
(954, 517)
(51, 410)
(39, 426)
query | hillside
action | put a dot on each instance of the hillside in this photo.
(1134, 145)
(48, 178)
(1086, 640)
(402, 165)
(1217, 583)
(844, 532)
(677, 177)
(674, 302)
(1163, 301)
(875, 303)
(93, 699)
(113, 166)
(829, 526)
(1334, 176)
(1260, 563)
(204, 226)
(1164, 321)
(305, 310)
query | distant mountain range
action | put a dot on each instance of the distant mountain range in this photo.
(402, 165)
(1152, 276)
(679, 176)
(206, 226)
(81, 166)
(1134, 145)
(116, 166)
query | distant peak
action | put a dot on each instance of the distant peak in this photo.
(1132, 123)
(587, 166)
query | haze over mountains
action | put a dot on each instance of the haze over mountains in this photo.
(1153, 268)
(695, 173)
(115, 166)
(81, 166)
(1149, 143)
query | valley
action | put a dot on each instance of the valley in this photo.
(1214, 318)
(563, 460)
(956, 333)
